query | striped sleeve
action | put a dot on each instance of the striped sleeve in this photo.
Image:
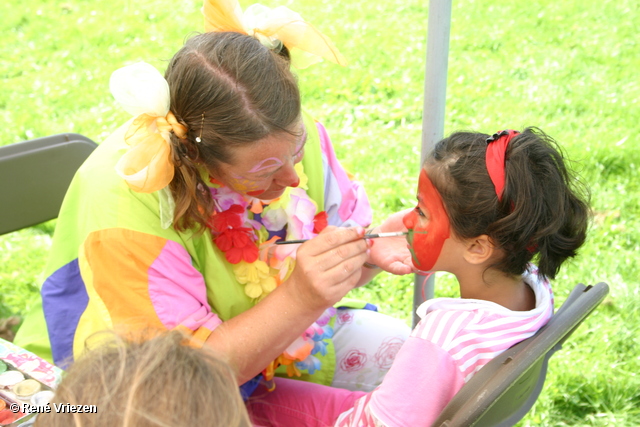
(360, 414)
(473, 338)
(345, 199)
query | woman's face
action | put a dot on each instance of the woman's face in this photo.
(266, 168)
(428, 225)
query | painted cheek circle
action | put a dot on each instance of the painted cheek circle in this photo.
(243, 184)
(427, 242)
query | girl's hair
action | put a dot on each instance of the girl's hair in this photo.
(544, 209)
(156, 382)
(229, 90)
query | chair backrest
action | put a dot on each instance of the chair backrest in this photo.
(35, 175)
(504, 390)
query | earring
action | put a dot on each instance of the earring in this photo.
(192, 152)
(199, 138)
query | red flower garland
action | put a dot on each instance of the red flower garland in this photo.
(320, 222)
(230, 218)
(237, 242)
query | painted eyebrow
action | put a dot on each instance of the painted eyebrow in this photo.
(261, 166)
(421, 202)
(304, 142)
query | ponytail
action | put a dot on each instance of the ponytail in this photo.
(193, 201)
(548, 214)
(543, 214)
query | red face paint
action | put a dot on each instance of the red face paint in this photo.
(255, 193)
(428, 225)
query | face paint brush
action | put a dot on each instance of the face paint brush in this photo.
(366, 236)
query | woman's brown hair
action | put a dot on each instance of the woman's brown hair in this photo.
(544, 210)
(229, 90)
(154, 382)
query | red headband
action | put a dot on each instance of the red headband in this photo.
(496, 151)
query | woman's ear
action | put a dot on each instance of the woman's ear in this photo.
(478, 249)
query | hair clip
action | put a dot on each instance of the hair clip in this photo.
(199, 138)
(497, 136)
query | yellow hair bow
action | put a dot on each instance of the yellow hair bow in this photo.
(142, 91)
(306, 44)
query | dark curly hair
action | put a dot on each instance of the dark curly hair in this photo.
(544, 212)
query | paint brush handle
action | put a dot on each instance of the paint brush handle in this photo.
(366, 236)
(377, 235)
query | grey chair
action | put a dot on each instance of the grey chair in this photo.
(35, 175)
(504, 390)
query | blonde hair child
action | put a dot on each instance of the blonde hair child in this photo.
(156, 382)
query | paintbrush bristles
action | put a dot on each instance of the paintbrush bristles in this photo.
(366, 236)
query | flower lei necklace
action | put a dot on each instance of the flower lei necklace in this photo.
(245, 230)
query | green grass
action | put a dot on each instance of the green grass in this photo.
(568, 67)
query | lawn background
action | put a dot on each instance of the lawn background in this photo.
(569, 67)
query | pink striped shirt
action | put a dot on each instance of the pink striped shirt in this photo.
(455, 338)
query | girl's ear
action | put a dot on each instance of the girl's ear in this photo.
(478, 249)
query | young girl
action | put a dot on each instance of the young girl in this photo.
(487, 207)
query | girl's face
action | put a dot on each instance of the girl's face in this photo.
(265, 169)
(428, 225)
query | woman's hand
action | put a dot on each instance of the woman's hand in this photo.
(391, 253)
(328, 266)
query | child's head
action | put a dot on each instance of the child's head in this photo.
(528, 206)
(161, 381)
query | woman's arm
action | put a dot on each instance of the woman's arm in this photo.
(327, 267)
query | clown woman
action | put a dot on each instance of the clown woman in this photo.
(172, 222)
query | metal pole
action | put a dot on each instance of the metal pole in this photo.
(435, 92)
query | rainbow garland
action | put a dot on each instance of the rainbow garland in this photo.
(246, 230)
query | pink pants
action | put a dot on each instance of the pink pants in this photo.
(299, 404)
(366, 343)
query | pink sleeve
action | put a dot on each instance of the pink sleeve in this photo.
(410, 395)
(345, 200)
(178, 292)
(139, 281)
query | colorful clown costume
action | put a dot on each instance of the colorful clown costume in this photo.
(114, 267)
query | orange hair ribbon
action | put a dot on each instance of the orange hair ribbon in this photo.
(143, 92)
(306, 44)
